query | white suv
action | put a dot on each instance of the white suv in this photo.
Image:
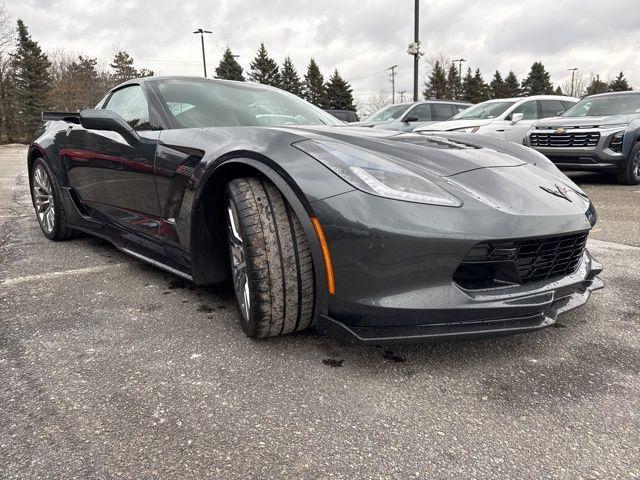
(506, 118)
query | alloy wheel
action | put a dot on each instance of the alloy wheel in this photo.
(43, 199)
(238, 262)
(636, 166)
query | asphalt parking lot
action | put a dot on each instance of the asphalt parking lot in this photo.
(110, 368)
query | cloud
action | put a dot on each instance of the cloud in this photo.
(361, 39)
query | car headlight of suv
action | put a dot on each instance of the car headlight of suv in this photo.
(375, 174)
(467, 129)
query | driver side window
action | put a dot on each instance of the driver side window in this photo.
(528, 109)
(131, 104)
(421, 112)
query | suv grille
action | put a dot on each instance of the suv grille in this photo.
(573, 139)
(512, 262)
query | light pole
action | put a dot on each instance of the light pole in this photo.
(402, 92)
(573, 71)
(204, 60)
(393, 83)
(459, 60)
(416, 40)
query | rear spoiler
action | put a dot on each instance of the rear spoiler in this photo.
(72, 117)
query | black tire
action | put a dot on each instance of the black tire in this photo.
(279, 270)
(57, 228)
(630, 175)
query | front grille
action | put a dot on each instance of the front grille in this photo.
(572, 139)
(518, 262)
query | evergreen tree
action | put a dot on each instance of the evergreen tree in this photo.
(314, 89)
(436, 84)
(538, 82)
(596, 86)
(497, 86)
(474, 89)
(264, 69)
(453, 83)
(123, 68)
(558, 91)
(290, 79)
(31, 80)
(339, 93)
(77, 85)
(229, 68)
(619, 84)
(511, 85)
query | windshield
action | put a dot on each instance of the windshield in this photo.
(484, 110)
(202, 103)
(605, 105)
(392, 112)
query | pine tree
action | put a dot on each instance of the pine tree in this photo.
(77, 85)
(264, 69)
(474, 89)
(339, 93)
(290, 80)
(123, 68)
(497, 86)
(229, 68)
(32, 82)
(483, 91)
(436, 84)
(453, 83)
(558, 91)
(619, 84)
(538, 82)
(314, 88)
(596, 86)
(511, 85)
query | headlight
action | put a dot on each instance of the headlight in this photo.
(616, 141)
(467, 129)
(376, 175)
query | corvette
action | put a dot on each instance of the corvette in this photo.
(372, 236)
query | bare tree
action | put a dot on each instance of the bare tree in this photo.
(374, 103)
(6, 44)
(580, 82)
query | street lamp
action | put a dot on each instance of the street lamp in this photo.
(204, 60)
(573, 71)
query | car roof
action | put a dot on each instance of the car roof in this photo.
(608, 94)
(191, 78)
(533, 97)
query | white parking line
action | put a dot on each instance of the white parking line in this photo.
(47, 276)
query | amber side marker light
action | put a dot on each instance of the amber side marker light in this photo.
(331, 285)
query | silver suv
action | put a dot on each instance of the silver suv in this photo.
(598, 133)
(404, 117)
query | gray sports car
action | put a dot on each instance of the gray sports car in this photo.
(371, 235)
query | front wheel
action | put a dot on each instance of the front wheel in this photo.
(271, 262)
(630, 175)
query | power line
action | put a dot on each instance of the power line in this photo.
(393, 83)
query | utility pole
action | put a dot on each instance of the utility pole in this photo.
(459, 60)
(416, 40)
(392, 75)
(573, 71)
(204, 60)
(402, 92)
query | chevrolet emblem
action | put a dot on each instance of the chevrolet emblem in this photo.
(560, 131)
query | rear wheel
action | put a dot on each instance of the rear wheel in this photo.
(630, 175)
(270, 260)
(47, 202)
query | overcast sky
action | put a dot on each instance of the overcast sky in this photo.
(360, 38)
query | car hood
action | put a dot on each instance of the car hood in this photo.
(366, 123)
(454, 124)
(557, 122)
(423, 154)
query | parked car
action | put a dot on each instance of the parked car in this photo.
(372, 236)
(600, 133)
(404, 117)
(506, 118)
(347, 116)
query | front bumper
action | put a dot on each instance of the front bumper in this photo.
(488, 314)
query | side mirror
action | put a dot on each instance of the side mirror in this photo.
(516, 117)
(410, 119)
(100, 119)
